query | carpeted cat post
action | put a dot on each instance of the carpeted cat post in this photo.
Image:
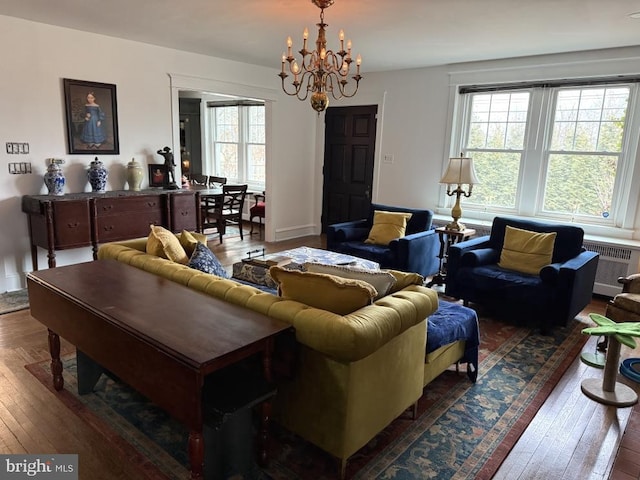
(608, 391)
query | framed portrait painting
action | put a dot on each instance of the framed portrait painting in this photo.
(158, 175)
(92, 117)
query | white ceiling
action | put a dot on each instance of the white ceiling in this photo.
(390, 34)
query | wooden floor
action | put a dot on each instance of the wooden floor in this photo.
(571, 437)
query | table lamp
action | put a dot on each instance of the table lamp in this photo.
(459, 172)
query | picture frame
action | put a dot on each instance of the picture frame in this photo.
(158, 175)
(92, 117)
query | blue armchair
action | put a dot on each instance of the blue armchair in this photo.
(554, 296)
(416, 252)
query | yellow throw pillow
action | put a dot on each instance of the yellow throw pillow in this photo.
(404, 279)
(525, 251)
(189, 241)
(162, 243)
(328, 292)
(387, 226)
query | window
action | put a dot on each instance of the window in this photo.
(555, 152)
(239, 143)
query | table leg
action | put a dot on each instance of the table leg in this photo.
(196, 454)
(265, 410)
(56, 364)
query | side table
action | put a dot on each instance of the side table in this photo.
(448, 238)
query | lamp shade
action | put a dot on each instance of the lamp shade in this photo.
(460, 171)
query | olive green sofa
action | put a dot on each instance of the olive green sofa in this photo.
(355, 373)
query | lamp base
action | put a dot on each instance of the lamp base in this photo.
(455, 225)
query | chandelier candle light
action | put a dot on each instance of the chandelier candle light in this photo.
(321, 71)
(459, 172)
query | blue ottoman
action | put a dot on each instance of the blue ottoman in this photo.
(453, 322)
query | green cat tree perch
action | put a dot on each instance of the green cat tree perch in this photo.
(608, 391)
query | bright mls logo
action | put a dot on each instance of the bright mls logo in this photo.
(51, 467)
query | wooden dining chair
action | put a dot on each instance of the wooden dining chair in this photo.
(213, 180)
(228, 208)
(257, 210)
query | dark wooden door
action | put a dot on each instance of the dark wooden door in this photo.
(349, 146)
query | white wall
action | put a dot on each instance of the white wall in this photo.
(36, 57)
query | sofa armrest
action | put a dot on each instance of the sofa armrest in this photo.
(417, 253)
(347, 231)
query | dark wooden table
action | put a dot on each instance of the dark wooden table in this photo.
(447, 238)
(159, 337)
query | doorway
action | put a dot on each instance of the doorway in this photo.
(349, 152)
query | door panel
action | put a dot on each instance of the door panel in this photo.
(350, 137)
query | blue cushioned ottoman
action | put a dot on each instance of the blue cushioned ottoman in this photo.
(453, 322)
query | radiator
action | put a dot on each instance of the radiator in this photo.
(615, 261)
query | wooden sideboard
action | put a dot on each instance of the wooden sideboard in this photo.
(89, 219)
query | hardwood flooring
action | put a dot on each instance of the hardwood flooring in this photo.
(571, 437)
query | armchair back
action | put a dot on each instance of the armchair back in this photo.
(420, 220)
(568, 240)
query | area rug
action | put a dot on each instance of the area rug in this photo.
(463, 431)
(14, 301)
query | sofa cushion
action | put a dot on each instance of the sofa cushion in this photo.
(526, 251)
(382, 281)
(163, 243)
(189, 240)
(327, 292)
(205, 260)
(387, 226)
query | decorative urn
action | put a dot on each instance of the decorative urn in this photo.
(134, 175)
(97, 176)
(54, 178)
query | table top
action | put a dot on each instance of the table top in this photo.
(193, 327)
(463, 233)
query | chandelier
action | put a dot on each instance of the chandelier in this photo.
(321, 71)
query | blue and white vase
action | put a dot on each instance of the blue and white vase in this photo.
(97, 176)
(54, 178)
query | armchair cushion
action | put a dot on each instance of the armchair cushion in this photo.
(526, 251)
(387, 226)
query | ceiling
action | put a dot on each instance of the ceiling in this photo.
(390, 34)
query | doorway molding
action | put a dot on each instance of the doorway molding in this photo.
(178, 82)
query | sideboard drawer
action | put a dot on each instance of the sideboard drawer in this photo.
(115, 206)
(71, 224)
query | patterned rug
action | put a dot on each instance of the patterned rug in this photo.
(464, 430)
(14, 301)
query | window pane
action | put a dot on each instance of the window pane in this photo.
(498, 120)
(590, 119)
(580, 184)
(256, 125)
(498, 176)
(226, 119)
(256, 163)
(226, 155)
